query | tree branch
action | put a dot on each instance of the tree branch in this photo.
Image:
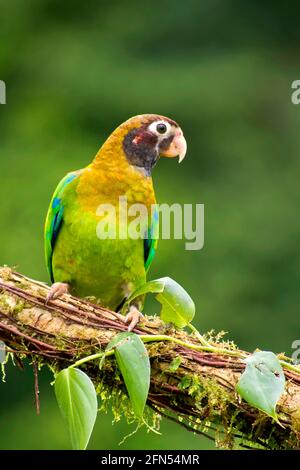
(198, 392)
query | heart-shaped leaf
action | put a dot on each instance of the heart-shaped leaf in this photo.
(133, 361)
(153, 287)
(262, 382)
(77, 400)
(177, 306)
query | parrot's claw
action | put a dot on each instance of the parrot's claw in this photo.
(57, 290)
(133, 317)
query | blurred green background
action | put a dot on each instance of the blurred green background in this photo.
(223, 70)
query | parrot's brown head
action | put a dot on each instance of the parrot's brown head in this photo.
(151, 136)
(145, 138)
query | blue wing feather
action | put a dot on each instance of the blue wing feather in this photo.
(150, 243)
(54, 220)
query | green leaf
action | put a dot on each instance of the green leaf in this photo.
(175, 364)
(262, 382)
(185, 383)
(153, 287)
(133, 361)
(77, 400)
(177, 306)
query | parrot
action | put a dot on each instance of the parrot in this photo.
(109, 268)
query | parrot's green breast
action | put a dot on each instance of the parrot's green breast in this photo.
(108, 269)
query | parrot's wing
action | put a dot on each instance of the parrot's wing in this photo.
(54, 219)
(150, 243)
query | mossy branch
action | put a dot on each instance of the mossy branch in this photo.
(197, 390)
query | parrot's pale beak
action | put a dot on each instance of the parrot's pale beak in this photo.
(177, 148)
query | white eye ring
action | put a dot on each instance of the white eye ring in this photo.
(154, 127)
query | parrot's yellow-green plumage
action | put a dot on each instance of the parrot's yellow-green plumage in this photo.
(77, 259)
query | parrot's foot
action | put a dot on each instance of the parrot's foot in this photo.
(57, 290)
(133, 317)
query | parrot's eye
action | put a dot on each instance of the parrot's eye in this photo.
(161, 128)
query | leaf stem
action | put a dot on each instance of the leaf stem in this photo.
(291, 367)
(92, 358)
(198, 335)
(208, 348)
(204, 347)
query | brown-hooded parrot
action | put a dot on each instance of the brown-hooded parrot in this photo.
(82, 262)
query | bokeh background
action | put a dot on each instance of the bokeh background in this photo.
(223, 70)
